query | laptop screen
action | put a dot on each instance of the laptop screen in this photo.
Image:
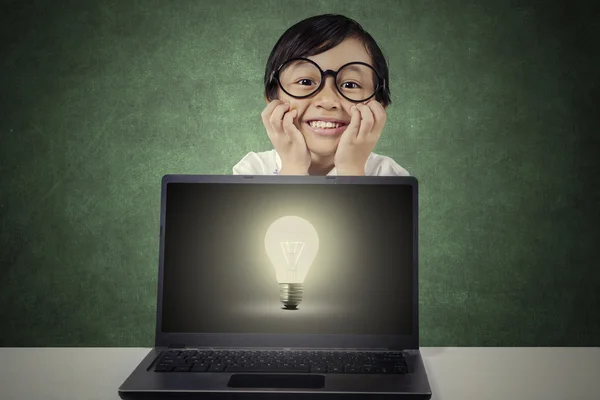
(280, 258)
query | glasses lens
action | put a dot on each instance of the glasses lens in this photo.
(299, 78)
(357, 82)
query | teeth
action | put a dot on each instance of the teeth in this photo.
(324, 125)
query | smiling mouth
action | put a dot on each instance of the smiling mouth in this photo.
(326, 128)
(325, 125)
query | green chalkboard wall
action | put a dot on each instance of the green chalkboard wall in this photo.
(492, 111)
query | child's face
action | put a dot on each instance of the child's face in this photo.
(328, 102)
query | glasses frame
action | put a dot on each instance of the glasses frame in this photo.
(324, 75)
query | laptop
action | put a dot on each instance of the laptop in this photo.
(285, 287)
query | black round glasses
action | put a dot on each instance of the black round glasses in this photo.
(355, 81)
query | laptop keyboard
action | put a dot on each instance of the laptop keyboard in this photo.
(270, 361)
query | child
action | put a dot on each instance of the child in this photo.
(326, 87)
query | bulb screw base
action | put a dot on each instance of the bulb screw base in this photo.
(290, 294)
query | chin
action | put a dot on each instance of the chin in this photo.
(321, 146)
(322, 151)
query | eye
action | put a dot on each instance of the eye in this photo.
(350, 85)
(305, 82)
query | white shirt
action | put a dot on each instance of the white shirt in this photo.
(269, 163)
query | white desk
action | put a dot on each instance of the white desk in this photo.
(454, 373)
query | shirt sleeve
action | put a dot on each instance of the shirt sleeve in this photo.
(389, 167)
(249, 165)
(399, 171)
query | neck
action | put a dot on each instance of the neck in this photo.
(320, 165)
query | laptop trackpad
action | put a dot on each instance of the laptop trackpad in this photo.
(277, 381)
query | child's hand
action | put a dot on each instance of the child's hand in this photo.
(286, 138)
(359, 139)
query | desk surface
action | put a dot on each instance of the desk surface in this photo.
(454, 373)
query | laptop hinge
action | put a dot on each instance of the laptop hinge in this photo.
(176, 346)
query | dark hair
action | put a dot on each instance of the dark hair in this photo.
(316, 35)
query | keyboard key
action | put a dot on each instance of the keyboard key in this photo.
(318, 368)
(217, 368)
(180, 363)
(399, 369)
(369, 369)
(266, 369)
(200, 367)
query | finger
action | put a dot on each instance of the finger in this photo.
(366, 122)
(270, 107)
(267, 112)
(352, 130)
(289, 128)
(276, 118)
(379, 114)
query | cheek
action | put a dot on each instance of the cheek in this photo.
(300, 107)
(346, 109)
(295, 104)
(285, 98)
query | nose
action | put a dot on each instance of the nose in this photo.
(328, 97)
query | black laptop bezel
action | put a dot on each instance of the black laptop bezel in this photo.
(308, 341)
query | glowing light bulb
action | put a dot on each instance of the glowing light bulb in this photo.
(292, 244)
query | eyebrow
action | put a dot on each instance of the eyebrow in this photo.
(303, 64)
(353, 68)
